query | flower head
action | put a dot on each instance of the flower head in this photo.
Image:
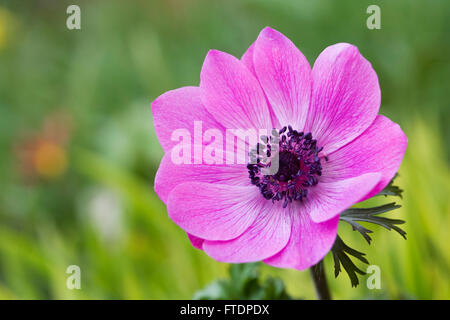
(326, 148)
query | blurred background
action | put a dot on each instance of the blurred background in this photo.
(79, 152)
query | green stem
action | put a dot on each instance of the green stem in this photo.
(320, 281)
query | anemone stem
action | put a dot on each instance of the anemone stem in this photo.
(320, 281)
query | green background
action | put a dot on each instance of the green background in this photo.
(79, 152)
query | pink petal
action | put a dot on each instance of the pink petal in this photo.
(345, 96)
(195, 241)
(178, 109)
(232, 94)
(247, 59)
(378, 149)
(169, 175)
(213, 211)
(268, 234)
(329, 199)
(309, 241)
(285, 75)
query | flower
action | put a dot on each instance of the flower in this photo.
(334, 150)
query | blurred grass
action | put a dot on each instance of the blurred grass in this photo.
(101, 213)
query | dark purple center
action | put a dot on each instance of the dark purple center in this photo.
(289, 166)
(297, 156)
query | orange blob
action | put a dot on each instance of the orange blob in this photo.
(50, 160)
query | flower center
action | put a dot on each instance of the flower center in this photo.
(285, 165)
(289, 166)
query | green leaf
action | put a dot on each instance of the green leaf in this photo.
(391, 190)
(216, 290)
(354, 216)
(274, 289)
(370, 215)
(341, 252)
(244, 284)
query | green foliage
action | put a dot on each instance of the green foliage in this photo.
(341, 252)
(244, 283)
(391, 190)
(104, 77)
(354, 216)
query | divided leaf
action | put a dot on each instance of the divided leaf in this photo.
(391, 190)
(341, 254)
(353, 215)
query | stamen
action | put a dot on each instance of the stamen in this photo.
(298, 165)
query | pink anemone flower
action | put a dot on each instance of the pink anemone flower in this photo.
(334, 151)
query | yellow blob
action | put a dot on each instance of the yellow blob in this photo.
(6, 24)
